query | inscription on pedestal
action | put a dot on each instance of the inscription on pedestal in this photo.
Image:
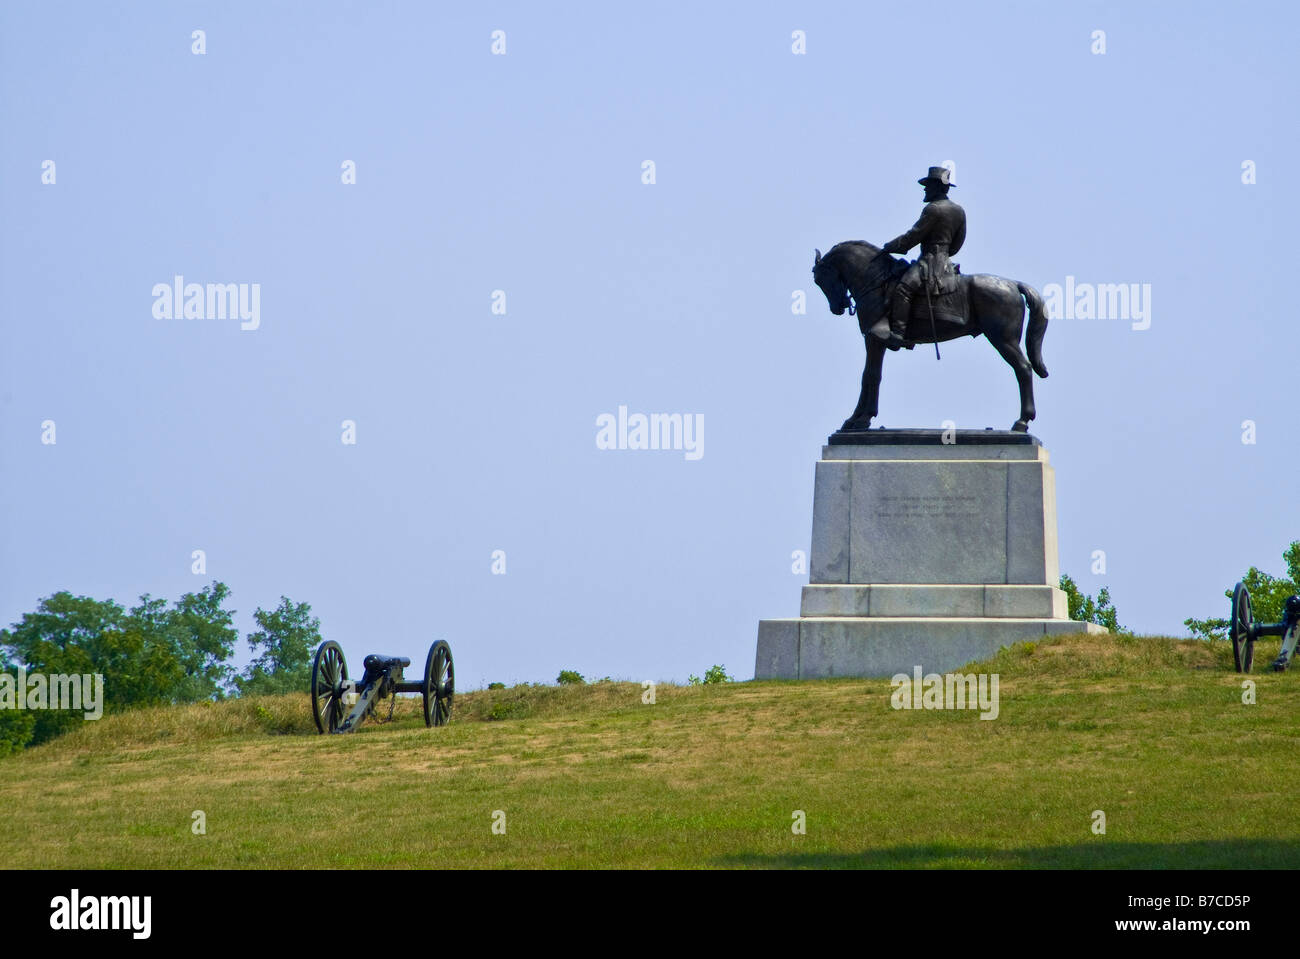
(920, 506)
(928, 522)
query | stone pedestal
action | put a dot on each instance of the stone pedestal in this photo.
(924, 552)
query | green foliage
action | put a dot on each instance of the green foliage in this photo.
(569, 677)
(508, 709)
(151, 654)
(1084, 609)
(76, 634)
(198, 631)
(285, 641)
(1207, 628)
(1268, 595)
(712, 676)
(205, 636)
(16, 726)
(716, 674)
(16, 729)
(496, 685)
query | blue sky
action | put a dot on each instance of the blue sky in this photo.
(522, 172)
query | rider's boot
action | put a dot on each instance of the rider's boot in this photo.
(892, 332)
(898, 318)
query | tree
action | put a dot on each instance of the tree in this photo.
(204, 636)
(61, 637)
(1085, 609)
(16, 726)
(61, 625)
(1268, 594)
(152, 654)
(285, 640)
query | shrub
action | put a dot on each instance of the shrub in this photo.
(15, 730)
(713, 675)
(1084, 609)
(508, 709)
(717, 674)
(569, 677)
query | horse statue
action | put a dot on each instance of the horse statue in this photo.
(857, 274)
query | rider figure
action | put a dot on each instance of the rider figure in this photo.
(941, 230)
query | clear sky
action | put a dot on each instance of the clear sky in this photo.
(477, 172)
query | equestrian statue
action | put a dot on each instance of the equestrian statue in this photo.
(900, 304)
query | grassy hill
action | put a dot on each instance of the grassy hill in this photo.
(1151, 731)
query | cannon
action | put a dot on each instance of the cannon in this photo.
(339, 704)
(1243, 630)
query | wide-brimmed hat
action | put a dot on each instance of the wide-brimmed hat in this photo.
(937, 174)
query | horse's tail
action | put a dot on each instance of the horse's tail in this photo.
(1037, 327)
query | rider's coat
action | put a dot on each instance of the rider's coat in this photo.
(941, 230)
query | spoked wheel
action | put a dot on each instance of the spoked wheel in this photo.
(1240, 631)
(439, 685)
(328, 673)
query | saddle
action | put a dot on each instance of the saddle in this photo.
(947, 294)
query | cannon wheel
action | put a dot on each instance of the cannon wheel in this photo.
(439, 685)
(328, 672)
(1240, 629)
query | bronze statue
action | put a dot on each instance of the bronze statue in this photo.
(941, 230)
(859, 277)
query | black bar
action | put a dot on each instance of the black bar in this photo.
(953, 912)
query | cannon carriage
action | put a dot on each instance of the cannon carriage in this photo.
(1244, 629)
(339, 704)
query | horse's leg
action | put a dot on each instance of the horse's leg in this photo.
(1005, 337)
(871, 375)
(869, 398)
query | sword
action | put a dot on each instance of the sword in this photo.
(930, 306)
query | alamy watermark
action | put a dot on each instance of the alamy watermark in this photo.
(1099, 301)
(949, 691)
(104, 913)
(656, 431)
(53, 691)
(179, 300)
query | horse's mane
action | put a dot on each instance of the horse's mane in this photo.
(852, 254)
(844, 247)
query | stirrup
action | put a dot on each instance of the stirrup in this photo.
(880, 329)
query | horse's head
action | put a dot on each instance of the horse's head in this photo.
(826, 275)
(855, 275)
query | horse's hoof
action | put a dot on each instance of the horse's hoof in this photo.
(852, 425)
(1020, 426)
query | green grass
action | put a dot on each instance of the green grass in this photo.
(1151, 731)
